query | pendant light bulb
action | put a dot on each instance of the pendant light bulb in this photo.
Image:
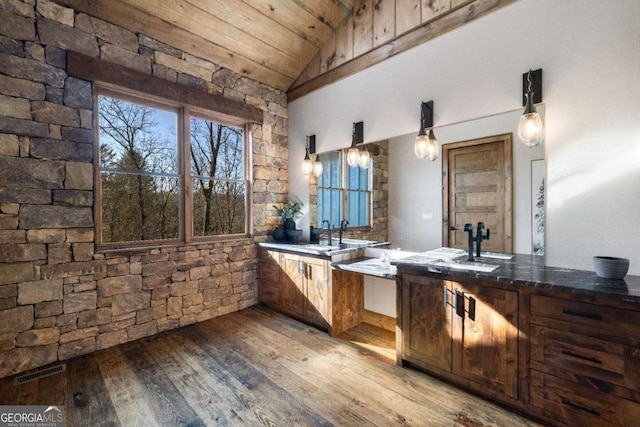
(353, 155)
(530, 126)
(307, 164)
(364, 158)
(426, 146)
(317, 168)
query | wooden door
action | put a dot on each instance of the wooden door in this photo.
(485, 350)
(293, 292)
(426, 321)
(477, 187)
(317, 292)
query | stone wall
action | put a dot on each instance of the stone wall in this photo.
(59, 298)
(379, 229)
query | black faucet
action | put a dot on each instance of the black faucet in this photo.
(468, 228)
(343, 228)
(480, 237)
(329, 231)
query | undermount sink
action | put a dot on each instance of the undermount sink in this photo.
(374, 265)
(322, 248)
(461, 264)
(495, 255)
(358, 242)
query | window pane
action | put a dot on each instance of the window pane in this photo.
(329, 192)
(138, 207)
(139, 178)
(216, 150)
(218, 207)
(330, 170)
(137, 137)
(217, 170)
(358, 208)
(329, 208)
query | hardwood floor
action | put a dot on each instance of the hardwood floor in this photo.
(254, 367)
(380, 342)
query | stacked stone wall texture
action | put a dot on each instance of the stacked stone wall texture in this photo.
(59, 298)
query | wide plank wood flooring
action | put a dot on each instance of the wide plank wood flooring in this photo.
(253, 367)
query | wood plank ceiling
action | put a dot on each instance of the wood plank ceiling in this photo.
(269, 41)
(292, 45)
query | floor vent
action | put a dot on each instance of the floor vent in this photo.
(40, 374)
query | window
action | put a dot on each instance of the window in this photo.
(343, 191)
(217, 175)
(141, 191)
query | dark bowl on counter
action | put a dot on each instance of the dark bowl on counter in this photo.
(609, 267)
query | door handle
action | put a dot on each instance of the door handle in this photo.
(453, 228)
(445, 296)
(459, 304)
(472, 308)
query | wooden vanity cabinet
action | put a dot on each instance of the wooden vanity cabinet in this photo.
(296, 285)
(584, 360)
(465, 332)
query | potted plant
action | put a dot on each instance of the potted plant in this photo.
(289, 211)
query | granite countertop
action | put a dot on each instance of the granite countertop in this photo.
(529, 270)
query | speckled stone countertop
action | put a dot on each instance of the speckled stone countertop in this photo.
(529, 270)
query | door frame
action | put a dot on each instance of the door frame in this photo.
(507, 140)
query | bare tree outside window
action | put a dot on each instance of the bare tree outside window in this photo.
(139, 172)
(217, 168)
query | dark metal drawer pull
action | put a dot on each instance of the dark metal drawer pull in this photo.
(585, 315)
(579, 356)
(572, 405)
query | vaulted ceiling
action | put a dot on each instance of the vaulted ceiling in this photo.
(291, 45)
(271, 41)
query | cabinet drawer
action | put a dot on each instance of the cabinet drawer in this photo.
(603, 360)
(603, 319)
(576, 404)
(269, 272)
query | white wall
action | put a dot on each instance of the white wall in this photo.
(380, 295)
(589, 52)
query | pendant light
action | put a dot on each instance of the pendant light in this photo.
(317, 167)
(530, 127)
(307, 164)
(364, 158)
(353, 154)
(426, 145)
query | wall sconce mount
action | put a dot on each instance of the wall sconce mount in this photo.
(426, 145)
(530, 126)
(357, 136)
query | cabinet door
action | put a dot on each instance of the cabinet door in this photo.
(485, 350)
(293, 292)
(426, 321)
(317, 304)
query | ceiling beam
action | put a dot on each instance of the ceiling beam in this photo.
(404, 42)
